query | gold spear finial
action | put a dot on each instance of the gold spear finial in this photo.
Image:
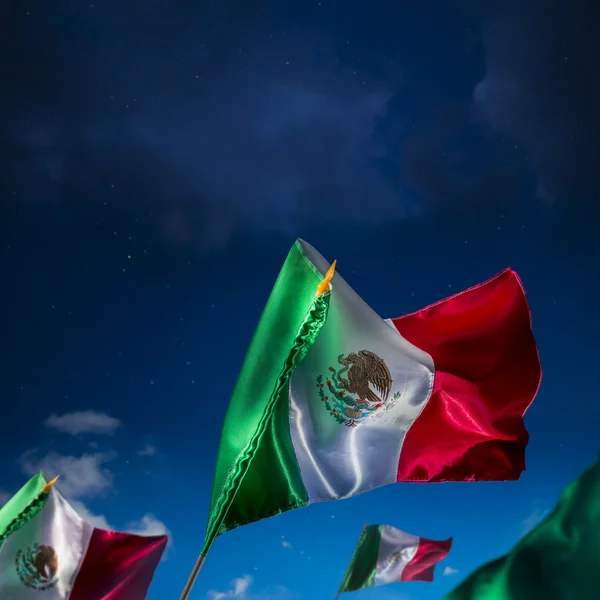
(325, 285)
(50, 485)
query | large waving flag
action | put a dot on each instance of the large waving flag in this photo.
(385, 554)
(58, 553)
(332, 400)
(557, 560)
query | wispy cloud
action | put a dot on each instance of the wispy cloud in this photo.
(4, 497)
(80, 476)
(285, 543)
(238, 589)
(99, 521)
(536, 516)
(315, 124)
(148, 525)
(87, 421)
(449, 571)
(147, 450)
(521, 96)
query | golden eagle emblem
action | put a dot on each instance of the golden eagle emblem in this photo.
(401, 556)
(37, 567)
(366, 369)
(358, 388)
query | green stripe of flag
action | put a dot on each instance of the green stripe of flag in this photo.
(23, 506)
(363, 565)
(257, 474)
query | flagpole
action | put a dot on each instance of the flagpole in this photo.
(192, 578)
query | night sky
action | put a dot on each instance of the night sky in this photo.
(159, 158)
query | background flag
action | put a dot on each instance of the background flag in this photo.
(558, 560)
(332, 400)
(387, 555)
(64, 557)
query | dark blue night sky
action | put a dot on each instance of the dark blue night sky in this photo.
(158, 160)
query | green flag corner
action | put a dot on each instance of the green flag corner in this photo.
(558, 559)
(23, 506)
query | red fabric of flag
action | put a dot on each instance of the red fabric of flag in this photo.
(487, 373)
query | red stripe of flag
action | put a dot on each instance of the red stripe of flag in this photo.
(422, 565)
(487, 373)
(118, 566)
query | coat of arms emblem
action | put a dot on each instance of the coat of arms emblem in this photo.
(357, 390)
(400, 557)
(37, 567)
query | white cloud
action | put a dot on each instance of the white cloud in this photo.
(87, 515)
(148, 525)
(241, 585)
(79, 476)
(87, 421)
(238, 589)
(522, 97)
(449, 571)
(285, 543)
(536, 516)
(147, 450)
(82, 476)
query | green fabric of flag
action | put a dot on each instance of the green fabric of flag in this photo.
(558, 560)
(257, 474)
(363, 564)
(23, 506)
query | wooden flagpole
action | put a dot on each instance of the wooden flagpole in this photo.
(192, 578)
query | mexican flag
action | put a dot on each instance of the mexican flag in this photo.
(332, 400)
(385, 554)
(557, 560)
(56, 552)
